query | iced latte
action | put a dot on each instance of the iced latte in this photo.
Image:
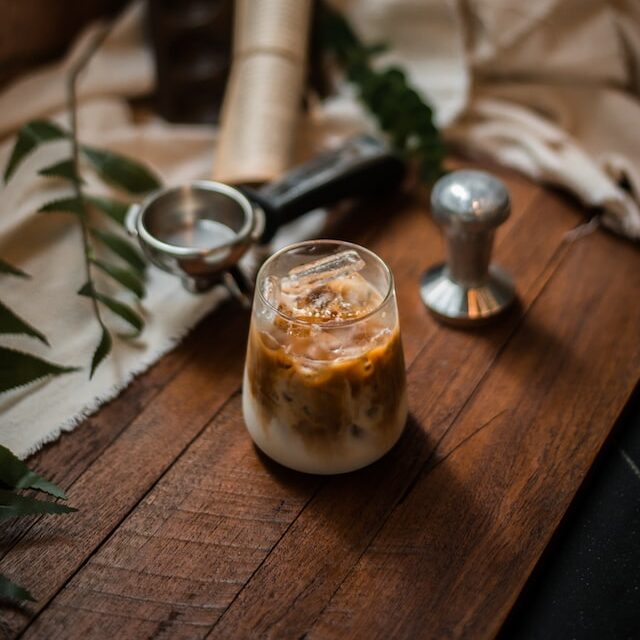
(324, 384)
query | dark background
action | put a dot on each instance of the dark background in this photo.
(37, 31)
(587, 585)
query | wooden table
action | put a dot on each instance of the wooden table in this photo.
(185, 531)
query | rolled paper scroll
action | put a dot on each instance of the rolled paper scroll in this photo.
(264, 92)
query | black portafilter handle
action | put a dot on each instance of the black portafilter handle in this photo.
(363, 166)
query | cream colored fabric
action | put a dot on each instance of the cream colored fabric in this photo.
(551, 87)
(557, 96)
(548, 87)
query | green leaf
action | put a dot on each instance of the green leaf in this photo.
(376, 48)
(16, 475)
(31, 135)
(13, 591)
(119, 308)
(18, 368)
(13, 505)
(101, 352)
(126, 277)
(64, 205)
(9, 269)
(122, 248)
(65, 169)
(336, 33)
(10, 323)
(115, 209)
(121, 171)
(398, 107)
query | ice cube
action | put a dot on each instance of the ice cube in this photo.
(271, 290)
(327, 289)
(323, 270)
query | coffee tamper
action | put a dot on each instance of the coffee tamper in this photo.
(467, 290)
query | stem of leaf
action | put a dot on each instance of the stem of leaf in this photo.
(74, 72)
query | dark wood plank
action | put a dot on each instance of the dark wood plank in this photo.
(54, 548)
(76, 452)
(73, 454)
(35, 32)
(290, 589)
(107, 605)
(69, 457)
(452, 558)
(191, 544)
(66, 459)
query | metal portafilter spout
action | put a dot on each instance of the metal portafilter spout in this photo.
(467, 289)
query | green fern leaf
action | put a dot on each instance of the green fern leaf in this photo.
(117, 307)
(18, 369)
(64, 205)
(15, 474)
(64, 169)
(12, 591)
(387, 94)
(10, 323)
(31, 135)
(10, 270)
(115, 209)
(122, 248)
(120, 171)
(13, 505)
(102, 351)
(126, 277)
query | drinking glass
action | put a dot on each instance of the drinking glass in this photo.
(324, 381)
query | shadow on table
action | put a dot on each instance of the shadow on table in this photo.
(409, 565)
(436, 543)
(524, 345)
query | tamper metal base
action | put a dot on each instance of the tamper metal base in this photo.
(457, 304)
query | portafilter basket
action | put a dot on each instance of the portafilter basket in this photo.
(199, 231)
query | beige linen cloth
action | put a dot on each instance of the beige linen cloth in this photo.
(548, 87)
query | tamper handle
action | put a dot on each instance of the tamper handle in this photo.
(467, 289)
(469, 205)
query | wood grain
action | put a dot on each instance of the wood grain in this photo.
(117, 610)
(290, 589)
(185, 531)
(128, 468)
(66, 459)
(456, 552)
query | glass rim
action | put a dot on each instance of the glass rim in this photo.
(331, 324)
